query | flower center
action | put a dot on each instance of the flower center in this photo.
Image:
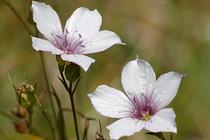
(142, 107)
(146, 116)
(69, 44)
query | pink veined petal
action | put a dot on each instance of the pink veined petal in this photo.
(46, 19)
(102, 41)
(85, 22)
(110, 102)
(138, 77)
(162, 121)
(166, 88)
(81, 60)
(44, 45)
(124, 127)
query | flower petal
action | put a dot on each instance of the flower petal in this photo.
(44, 45)
(138, 77)
(102, 41)
(124, 127)
(110, 102)
(84, 21)
(72, 22)
(81, 60)
(162, 121)
(46, 19)
(166, 88)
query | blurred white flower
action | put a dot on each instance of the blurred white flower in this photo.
(81, 34)
(143, 104)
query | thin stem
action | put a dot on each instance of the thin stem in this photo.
(60, 112)
(30, 122)
(44, 70)
(76, 86)
(7, 115)
(100, 127)
(71, 95)
(74, 115)
(80, 114)
(47, 118)
(30, 32)
(171, 136)
(86, 128)
(63, 80)
(41, 54)
(47, 84)
(18, 16)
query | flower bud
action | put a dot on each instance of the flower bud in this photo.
(20, 112)
(26, 95)
(21, 126)
(72, 72)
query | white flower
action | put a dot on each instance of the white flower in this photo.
(143, 104)
(81, 34)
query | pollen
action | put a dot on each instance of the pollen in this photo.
(146, 117)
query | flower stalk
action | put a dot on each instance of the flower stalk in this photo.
(8, 115)
(47, 83)
(74, 115)
(18, 16)
(30, 121)
(71, 95)
(47, 118)
(60, 116)
(86, 121)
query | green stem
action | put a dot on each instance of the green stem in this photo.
(61, 116)
(30, 121)
(47, 84)
(74, 115)
(7, 115)
(30, 32)
(71, 95)
(86, 128)
(86, 119)
(47, 118)
(41, 54)
(18, 16)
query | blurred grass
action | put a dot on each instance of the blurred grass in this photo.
(171, 35)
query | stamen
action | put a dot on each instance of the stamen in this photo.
(142, 107)
(69, 44)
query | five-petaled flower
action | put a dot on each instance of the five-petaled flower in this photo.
(143, 105)
(81, 34)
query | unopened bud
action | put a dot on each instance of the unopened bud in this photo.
(72, 72)
(21, 126)
(20, 112)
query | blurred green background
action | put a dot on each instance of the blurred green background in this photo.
(170, 34)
